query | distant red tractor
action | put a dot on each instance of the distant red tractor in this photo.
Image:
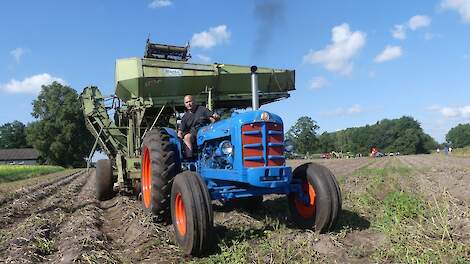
(375, 153)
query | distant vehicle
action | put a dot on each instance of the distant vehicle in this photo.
(375, 153)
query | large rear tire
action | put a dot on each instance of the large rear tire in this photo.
(191, 212)
(104, 180)
(324, 198)
(158, 171)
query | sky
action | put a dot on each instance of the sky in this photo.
(356, 62)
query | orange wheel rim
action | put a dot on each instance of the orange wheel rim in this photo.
(146, 179)
(180, 214)
(306, 210)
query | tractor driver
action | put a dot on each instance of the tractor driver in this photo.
(195, 117)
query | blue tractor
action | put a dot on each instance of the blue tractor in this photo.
(239, 159)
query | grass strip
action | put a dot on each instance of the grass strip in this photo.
(10, 173)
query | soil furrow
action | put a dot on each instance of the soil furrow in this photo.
(33, 202)
(31, 189)
(31, 237)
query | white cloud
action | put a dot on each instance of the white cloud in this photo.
(399, 32)
(30, 84)
(463, 111)
(353, 110)
(337, 56)
(203, 58)
(414, 23)
(160, 3)
(18, 53)
(418, 22)
(389, 53)
(210, 38)
(461, 6)
(317, 83)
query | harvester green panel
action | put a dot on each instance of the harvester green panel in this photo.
(110, 138)
(166, 82)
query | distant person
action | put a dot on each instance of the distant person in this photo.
(195, 117)
(446, 150)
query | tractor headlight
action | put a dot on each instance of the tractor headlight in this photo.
(265, 116)
(226, 147)
(288, 145)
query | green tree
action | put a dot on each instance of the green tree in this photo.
(59, 133)
(303, 135)
(13, 135)
(403, 135)
(326, 142)
(459, 136)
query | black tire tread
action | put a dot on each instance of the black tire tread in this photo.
(198, 205)
(164, 169)
(328, 200)
(104, 180)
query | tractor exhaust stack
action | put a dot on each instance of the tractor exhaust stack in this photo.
(254, 88)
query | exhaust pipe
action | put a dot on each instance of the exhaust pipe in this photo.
(254, 88)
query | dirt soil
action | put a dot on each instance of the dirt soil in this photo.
(60, 221)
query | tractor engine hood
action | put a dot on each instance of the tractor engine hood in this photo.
(232, 125)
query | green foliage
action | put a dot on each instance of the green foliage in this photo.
(9, 173)
(59, 134)
(13, 135)
(403, 135)
(44, 246)
(459, 136)
(399, 206)
(303, 135)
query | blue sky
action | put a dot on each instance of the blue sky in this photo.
(356, 62)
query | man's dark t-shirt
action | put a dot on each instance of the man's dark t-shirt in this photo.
(191, 121)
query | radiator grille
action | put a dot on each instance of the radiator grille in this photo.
(263, 144)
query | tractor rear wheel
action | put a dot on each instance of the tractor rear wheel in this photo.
(104, 180)
(191, 212)
(158, 170)
(322, 191)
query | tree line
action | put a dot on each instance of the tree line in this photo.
(403, 135)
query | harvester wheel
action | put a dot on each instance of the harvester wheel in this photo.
(158, 170)
(324, 198)
(191, 212)
(104, 180)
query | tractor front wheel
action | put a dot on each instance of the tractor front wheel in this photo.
(318, 204)
(104, 180)
(191, 212)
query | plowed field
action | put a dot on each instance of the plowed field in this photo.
(395, 210)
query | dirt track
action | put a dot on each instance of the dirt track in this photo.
(60, 221)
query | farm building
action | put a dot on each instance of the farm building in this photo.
(26, 156)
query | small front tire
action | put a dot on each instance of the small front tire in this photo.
(191, 212)
(319, 186)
